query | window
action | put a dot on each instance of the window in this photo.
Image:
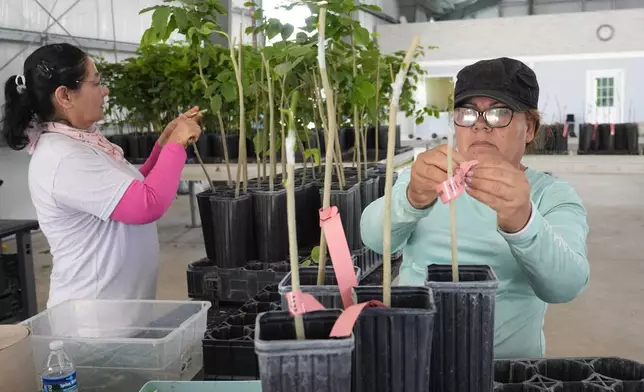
(604, 92)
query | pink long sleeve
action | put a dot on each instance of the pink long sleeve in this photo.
(146, 201)
(151, 161)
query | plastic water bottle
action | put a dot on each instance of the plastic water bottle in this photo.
(59, 374)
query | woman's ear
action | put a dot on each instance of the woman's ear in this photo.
(62, 97)
(530, 131)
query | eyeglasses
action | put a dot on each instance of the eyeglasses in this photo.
(494, 117)
(97, 82)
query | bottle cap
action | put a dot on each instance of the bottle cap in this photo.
(56, 345)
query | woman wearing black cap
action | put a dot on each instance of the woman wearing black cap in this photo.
(528, 226)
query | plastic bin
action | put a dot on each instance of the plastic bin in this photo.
(202, 386)
(121, 345)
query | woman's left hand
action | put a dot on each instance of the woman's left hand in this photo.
(167, 132)
(505, 189)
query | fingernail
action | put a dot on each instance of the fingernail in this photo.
(468, 180)
(469, 174)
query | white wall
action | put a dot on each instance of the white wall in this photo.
(472, 39)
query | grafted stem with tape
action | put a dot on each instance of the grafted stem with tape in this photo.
(450, 174)
(391, 142)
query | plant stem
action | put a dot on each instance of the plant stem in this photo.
(326, 198)
(377, 130)
(264, 128)
(282, 126)
(363, 134)
(271, 121)
(393, 112)
(257, 156)
(224, 143)
(242, 123)
(356, 125)
(221, 124)
(325, 126)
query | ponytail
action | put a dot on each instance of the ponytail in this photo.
(17, 114)
(29, 97)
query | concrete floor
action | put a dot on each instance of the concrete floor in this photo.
(606, 320)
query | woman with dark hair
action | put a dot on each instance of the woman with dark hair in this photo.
(97, 211)
(528, 226)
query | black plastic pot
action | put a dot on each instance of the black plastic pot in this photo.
(328, 294)
(350, 209)
(132, 141)
(318, 363)
(588, 139)
(632, 139)
(621, 139)
(271, 224)
(606, 141)
(560, 140)
(307, 206)
(394, 345)
(368, 191)
(382, 177)
(207, 223)
(143, 146)
(121, 141)
(383, 137)
(232, 144)
(233, 234)
(463, 347)
(367, 260)
(195, 277)
(346, 138)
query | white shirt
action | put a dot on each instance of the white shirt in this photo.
(75, 188)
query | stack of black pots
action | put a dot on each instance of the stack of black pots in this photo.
(619, 139)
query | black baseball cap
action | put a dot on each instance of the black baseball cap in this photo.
(504, 79)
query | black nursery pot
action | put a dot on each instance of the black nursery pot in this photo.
(307, 206)
(232, 237)
(318, 363)
(632, 137)
(588, 139)
(383, 137)
(132, 141)
(121, 141)
(350, 209)
(463, 345)
(606, 141)
(232, 145)
(368, 191)
(207, 223)
(271, 225)
(621, 139)
(394, 345)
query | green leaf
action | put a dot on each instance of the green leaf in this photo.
(274, 28)
(305, 263)
(258, 14)
(301, 37)
(229, 91)
(181, 17)
(315, 255)
(215, 104)
(287, 31)
(315, 153)
(299, 51)
(250, 4)
(160, 20)
(362, 35)
(148, 9)
(283, 69)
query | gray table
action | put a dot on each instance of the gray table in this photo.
(22, 230)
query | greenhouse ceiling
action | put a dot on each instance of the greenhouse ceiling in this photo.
(450, 9)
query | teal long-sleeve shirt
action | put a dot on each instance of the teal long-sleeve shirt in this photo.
(544, 263)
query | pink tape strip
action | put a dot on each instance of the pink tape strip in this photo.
(300, 303)
(455, 186)
(595, 131)
(565, 130)
(340, 255)
(344, 324)
(612, 129)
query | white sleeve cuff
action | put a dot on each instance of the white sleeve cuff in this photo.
(525, 229)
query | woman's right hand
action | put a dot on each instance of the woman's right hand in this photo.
(427, 172)
(187, 130)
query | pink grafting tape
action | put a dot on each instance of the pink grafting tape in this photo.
(344, 324)
(595, 131)
(300, 303)
(340, 254)
(565, 130)
(455, 186)
(612, 129)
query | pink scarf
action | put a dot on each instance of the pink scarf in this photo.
(92, 136)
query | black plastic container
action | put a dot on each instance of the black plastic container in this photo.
(606, 140)
(318, 363)
(132, 141)
(307, 206)
(271, 225)
(229, 348)
(368, 191)
(328, 294)
(463, 346)
(568, 374)
(394, 345)
(233, 235)
(232, 145)
(241, 284)
(207, 224)
(632, 139)
(195, 277)
(367, 260)
(350, 209)
(588, 139)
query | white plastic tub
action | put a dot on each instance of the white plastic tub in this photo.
(121, 345)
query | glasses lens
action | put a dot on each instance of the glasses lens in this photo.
(465, 117)
(498, 117)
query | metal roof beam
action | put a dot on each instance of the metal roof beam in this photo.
(463, 10)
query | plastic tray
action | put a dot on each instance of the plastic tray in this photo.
(121, 345)
(228, 348)
(202, 386)
(328, 295)
(241, 284)
(607, 374)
